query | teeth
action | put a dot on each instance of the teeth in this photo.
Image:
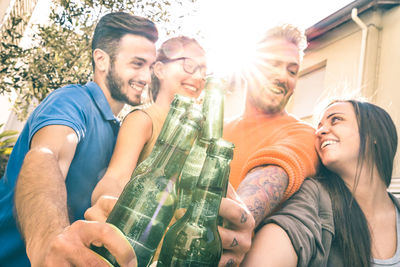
(191, 88)
(136, 87)
(328, 142)
(277, 90)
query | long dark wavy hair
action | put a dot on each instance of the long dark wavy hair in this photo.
(378, 144)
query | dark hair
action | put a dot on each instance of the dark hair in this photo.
(168, 48)
(113, 26)
(378, 144)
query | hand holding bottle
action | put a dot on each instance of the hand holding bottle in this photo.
(71, 247)
(237, 231)
(101, 209)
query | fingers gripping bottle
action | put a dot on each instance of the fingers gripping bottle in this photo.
(178, 106)
(213, 111)
(194, 239)
(147, 203)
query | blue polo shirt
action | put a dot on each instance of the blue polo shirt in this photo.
(85, 109)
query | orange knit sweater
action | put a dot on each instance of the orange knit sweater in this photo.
(282, 140)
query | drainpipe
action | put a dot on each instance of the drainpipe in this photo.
(363, 50)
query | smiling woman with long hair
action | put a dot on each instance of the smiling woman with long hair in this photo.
(179, 68)
(344, 216)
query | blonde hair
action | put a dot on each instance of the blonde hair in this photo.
(289, 32)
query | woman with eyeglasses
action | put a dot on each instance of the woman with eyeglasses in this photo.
(180, 68)
(344, 216)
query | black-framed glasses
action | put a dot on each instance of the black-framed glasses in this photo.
(189, 65)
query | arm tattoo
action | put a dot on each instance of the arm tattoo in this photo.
(262, 190)
(243, 218)
(234, 243)
(230, 263)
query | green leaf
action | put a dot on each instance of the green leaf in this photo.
(8, 133)
(62, 51)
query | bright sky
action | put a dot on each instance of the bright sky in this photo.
(230, 26)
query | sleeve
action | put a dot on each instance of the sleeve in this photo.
(307, 219)
(293, 150)
(64, 107)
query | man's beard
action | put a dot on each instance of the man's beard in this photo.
(114, 84)
(267, 107)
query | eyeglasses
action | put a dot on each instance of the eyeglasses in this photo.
(189, 65)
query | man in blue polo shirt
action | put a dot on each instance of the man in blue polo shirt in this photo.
(64, 150)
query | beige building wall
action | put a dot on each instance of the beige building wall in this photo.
(388, 95)
(4, 4)
(19, 8)
(338, 52)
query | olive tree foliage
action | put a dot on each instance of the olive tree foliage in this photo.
(61, 50)
(7, 141)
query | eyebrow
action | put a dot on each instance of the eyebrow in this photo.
(329, 116)
(138, 58)
(334, 113)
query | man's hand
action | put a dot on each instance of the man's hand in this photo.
(101, 209)
(72, 246)
(237, 231)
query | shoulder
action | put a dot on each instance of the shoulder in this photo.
(312, 199)
(69, 98)
(314, 193)
(291, 121)
(65, 106)
(312, 185)
(396, 200)
(138, 119)
(232, 123)
(310, 191)
(72, 92)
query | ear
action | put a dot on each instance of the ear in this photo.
(158, 69)
(101, 60)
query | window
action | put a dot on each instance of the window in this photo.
(310, 86)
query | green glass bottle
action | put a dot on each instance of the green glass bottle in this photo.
(213, 111)
(178, 106)
(194, 239)
(147, 203)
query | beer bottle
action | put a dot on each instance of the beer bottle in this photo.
(213, 111)
(178, 106)
(147, 203)
(194, 239)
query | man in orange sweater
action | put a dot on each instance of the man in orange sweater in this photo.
(274, 151)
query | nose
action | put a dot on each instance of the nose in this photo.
(321, 130)
(145, 76)
(281, 73)
(198, 74)
(277, 74)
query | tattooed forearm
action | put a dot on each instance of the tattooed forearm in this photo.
(262, 190)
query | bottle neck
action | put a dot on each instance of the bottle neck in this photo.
(171, 122)
(213, 111)
(173, 154)
(209, 189)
